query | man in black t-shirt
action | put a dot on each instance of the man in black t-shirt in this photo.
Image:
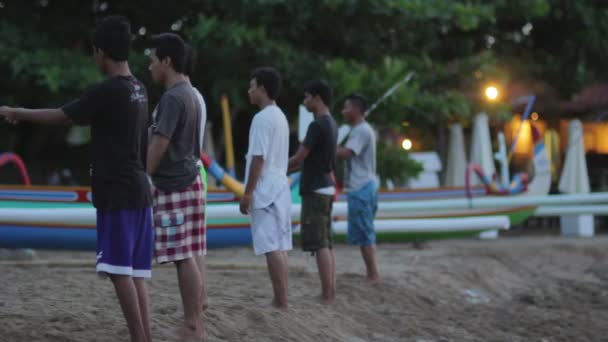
(117, 111)
(316, 155)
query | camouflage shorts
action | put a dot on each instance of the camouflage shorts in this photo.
(316, 222)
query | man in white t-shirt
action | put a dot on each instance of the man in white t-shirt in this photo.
(190, 66)
(188, 72)
(267, 195)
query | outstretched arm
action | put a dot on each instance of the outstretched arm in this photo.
(54, 116)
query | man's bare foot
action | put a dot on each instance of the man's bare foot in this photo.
(327, 300)
(275, 304)
(205, 306)
(272, 306)
(421, 245)
(188, 333)
(374, 281)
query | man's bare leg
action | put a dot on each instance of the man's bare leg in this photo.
(278, 271)
(128, 298)
(326, 274)
(333, 271)
(142, 297)
(189, 280)
(285, 273)
(369, 256)
(202, 269)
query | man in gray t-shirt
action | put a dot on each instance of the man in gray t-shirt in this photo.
(178, 118)
(179, 201)
(361, 168)
(360, 153)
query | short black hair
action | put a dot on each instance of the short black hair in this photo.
(269, 78)
(170, 45)
(190, 61)
(358, 100)
(321, 88)
(113, 37)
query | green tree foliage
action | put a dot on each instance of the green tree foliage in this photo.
(394, 164)
(455, 48)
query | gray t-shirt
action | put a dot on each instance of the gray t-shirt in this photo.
(361, 168)
(178, 117)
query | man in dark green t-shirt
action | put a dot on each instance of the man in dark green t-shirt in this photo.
(316, 156)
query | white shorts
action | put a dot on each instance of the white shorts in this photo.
(271, 226)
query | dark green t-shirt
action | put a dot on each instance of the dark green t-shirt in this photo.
(178, 117)
(321, 139)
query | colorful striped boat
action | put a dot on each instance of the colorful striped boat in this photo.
(31, 228)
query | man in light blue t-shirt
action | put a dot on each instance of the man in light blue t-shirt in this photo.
(360, 182)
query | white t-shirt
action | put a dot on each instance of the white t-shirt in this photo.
(328, 190)
(269, 138)
(201, 101)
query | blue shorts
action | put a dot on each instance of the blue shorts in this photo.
(362, 207)
(125, 242)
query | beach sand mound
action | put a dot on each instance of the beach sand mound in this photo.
(514, 289)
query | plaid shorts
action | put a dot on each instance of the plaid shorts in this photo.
(179, 222)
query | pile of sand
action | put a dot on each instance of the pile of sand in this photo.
(515, 289)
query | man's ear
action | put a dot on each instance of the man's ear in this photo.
(166, 61)
(98, 51)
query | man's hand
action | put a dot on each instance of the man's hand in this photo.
(298, 158)
(152, 187)
(245, 204)
(255, 170)
(9, 114)
(344, 153)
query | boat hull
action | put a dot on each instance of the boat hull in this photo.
(31, 231)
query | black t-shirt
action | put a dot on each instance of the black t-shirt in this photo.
(321, 139)
(117, 111)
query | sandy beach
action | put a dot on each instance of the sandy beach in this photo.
(511, 289)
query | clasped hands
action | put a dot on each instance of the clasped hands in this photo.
(245, 204)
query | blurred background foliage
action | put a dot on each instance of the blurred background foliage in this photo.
(454, 47)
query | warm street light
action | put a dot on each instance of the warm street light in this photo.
(491, 93)
(406, 144)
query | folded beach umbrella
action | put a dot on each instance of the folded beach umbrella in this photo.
(457, 160)
(574, 178)
(481, 147)
(304, 119)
